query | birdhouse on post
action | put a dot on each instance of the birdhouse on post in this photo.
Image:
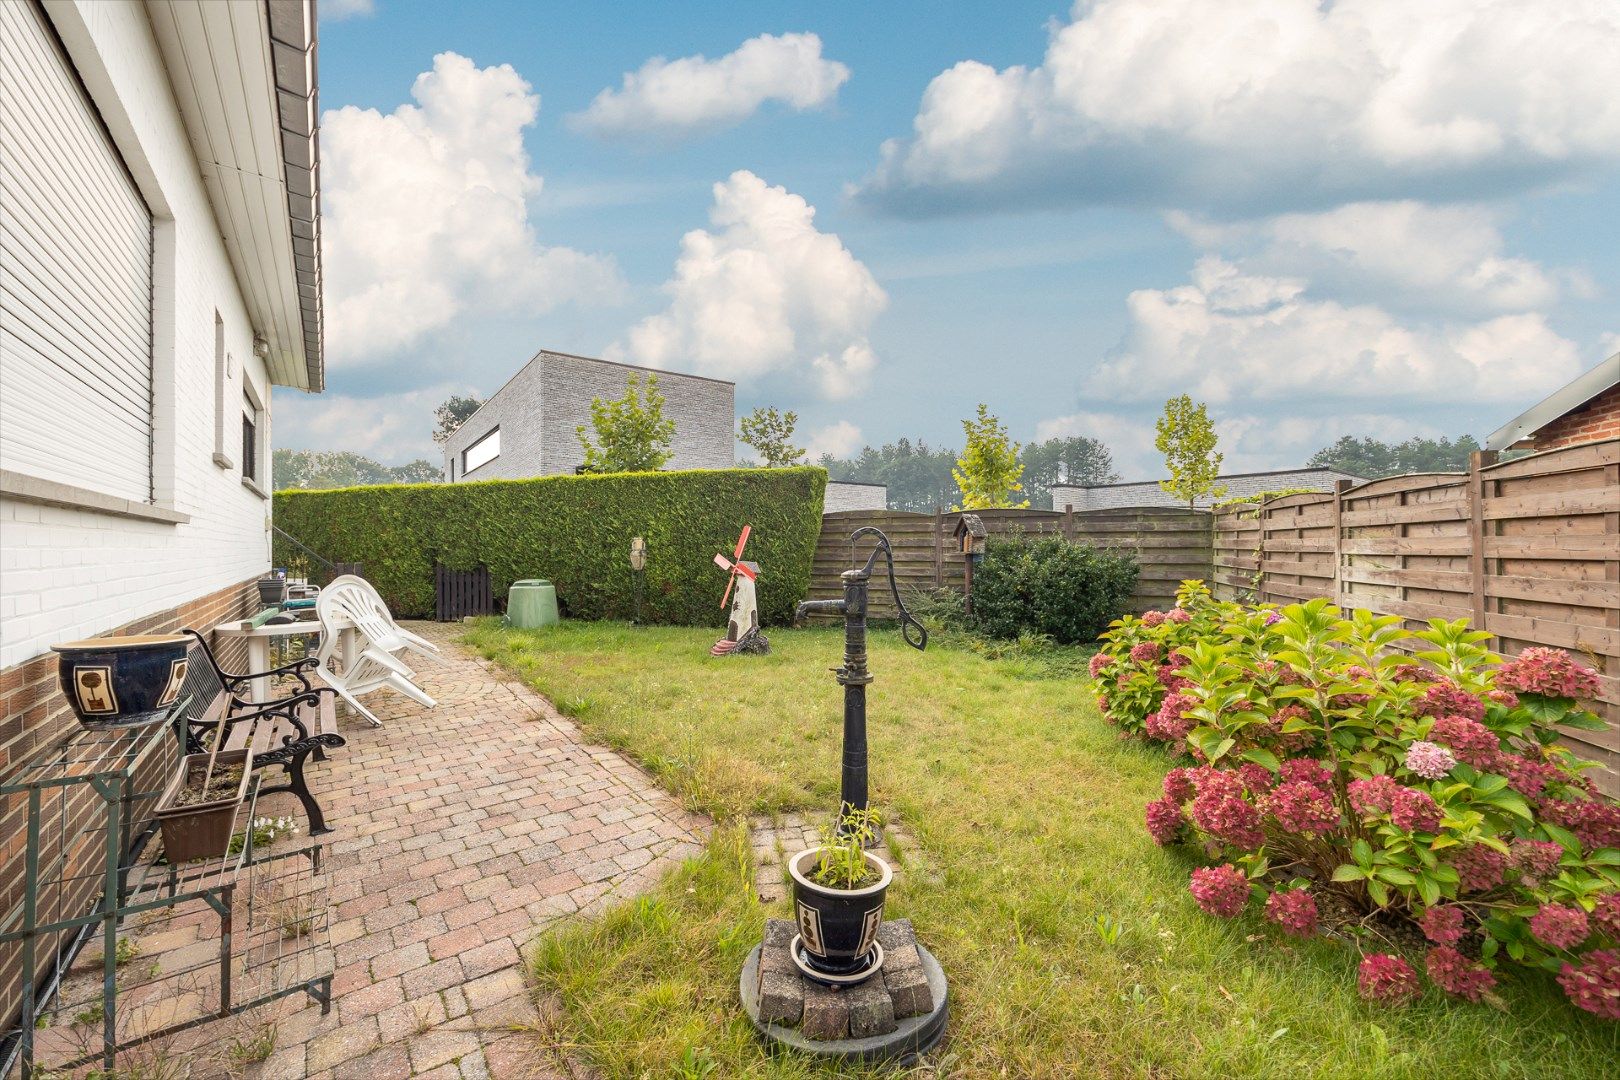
(970, 538)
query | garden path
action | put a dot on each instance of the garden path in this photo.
(460, 832)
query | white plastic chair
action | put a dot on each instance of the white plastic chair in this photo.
(402, 640)
(346, 610)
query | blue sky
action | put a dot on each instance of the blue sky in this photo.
(1319, 220)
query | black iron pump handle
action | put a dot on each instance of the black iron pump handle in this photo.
(908, 622)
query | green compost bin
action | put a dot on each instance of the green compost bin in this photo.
(531, 604)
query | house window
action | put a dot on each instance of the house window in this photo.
(222, 396)
(481, 453)
(250, 439)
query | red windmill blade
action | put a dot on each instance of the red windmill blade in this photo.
(735, 565)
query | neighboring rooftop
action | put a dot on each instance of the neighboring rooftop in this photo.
(1149, 493)
(1585, 410)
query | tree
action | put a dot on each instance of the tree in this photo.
(631, 432)
(988, 470)
(342, 468)
(918, 477)
(1370, 458)
(771, 433)
(1186, 438)
(451, 414)
(1076, 459)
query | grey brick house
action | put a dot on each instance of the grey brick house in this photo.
(528, 427)
(1149, 493)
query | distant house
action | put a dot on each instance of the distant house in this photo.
(1586, 410)
(529, 427)
(854, 495)
(1149, 493)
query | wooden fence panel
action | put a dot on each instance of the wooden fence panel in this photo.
(1170, 545)
(1527, 549)
(459, 593)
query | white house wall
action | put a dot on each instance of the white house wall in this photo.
(69, 573)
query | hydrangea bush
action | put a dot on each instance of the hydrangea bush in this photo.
(1331, 773)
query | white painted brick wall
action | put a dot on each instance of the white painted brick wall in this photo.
(65, 573)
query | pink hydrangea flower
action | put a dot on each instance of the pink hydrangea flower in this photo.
(1102, 703)
(1454, 973)
(1178, 785)
(1594, 984)
(1388, 979)
(1442, 924)
(1549, 673)
(1178, 615)
(1100, 662)
(1213, 781)
(1607, 914)
(1479, 868)
(1308, 771)
(1220, 890)
(1164, 820)
(1444, 699)
(1302, 807)
(1229, 818)
(1414, 811)
(1293, 910)
(1146, 652)
(1563, 926)
(1168, 723)
(1594, 822)
(1152, 618)
(1429, 760)
(1374, 795)
(1471, 740)
(1257, 779)
(1293, 740)
(1273, 617)
(1505, 698)
(1534, 860)
(1171, 679)
(1527, 776)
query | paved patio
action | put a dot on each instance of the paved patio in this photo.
(459, 832)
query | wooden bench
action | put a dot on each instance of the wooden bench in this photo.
(285, 733)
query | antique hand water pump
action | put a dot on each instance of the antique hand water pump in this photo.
(853, 676)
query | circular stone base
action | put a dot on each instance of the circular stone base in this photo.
(914, 1036)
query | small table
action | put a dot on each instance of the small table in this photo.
(258, 645)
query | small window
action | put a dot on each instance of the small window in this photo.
(481, 453)
(250, 439)
(222, 387)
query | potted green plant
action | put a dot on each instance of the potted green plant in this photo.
(197, 812)
(127, 680)
(838, 893)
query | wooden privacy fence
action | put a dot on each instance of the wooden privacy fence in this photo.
(1170, 544)
(1527, 549)
(459, 593)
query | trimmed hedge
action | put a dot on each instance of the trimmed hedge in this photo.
(574, 531)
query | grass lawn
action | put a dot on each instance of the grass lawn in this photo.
(1071, 943)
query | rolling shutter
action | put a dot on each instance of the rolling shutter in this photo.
(75, 278)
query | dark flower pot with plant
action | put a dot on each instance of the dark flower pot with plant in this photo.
(838, 893)
(272, 590)
(198, 809)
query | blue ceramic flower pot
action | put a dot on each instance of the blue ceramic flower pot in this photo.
(127, 681)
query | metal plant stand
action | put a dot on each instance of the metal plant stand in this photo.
(83, 814)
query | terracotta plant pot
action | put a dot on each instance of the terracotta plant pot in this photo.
(128, 681)
(201, 830)
(837, 926)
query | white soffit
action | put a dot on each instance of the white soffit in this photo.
(243, 73)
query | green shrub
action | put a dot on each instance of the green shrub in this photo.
(1046, 585)
(574, 531)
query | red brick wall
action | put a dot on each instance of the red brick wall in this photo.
(1597, 419)
(34, 715)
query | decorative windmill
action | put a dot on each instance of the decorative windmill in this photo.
(742, 628)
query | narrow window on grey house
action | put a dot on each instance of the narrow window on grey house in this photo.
(481, 453)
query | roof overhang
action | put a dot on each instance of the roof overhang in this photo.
(1561, 402)
(243, 73)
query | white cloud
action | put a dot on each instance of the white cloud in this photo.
(392, 429)
(674, 98)
(426, 215)
(1241, 103)
(1231, 335)
(1406, 252)
(338, 10)
(841, 440)
(763, 292)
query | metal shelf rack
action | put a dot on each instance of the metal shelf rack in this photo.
(82, 815)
